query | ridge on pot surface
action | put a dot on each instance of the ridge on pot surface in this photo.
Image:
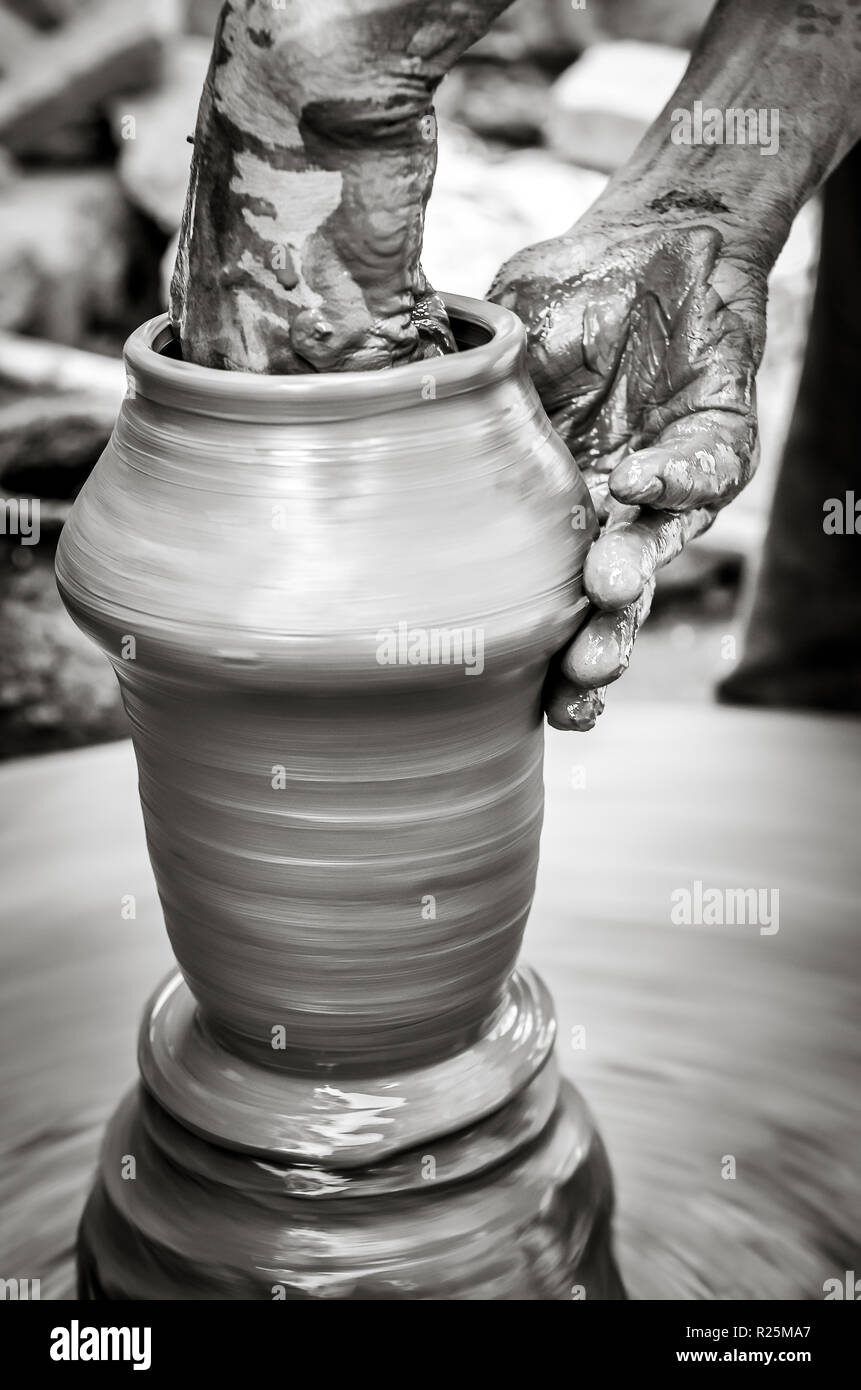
(330, 604)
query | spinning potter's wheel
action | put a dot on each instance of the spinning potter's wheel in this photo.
(706, 1042)
(700, 1042)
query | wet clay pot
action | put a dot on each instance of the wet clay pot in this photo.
(330, 602)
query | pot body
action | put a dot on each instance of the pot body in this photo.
(330, 603)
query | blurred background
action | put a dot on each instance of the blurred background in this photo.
(97, 98)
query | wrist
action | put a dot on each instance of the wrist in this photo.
(764, 112)
(742, 194)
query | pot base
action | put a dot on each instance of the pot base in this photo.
(332, 1117)
(192, 1220)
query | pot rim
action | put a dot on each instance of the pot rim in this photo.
(255, 396)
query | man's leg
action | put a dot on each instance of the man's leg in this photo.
(803, 642)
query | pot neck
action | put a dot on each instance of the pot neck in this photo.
(492, 341)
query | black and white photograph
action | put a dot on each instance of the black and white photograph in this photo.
(430, 667)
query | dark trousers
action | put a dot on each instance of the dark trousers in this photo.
(803, 643)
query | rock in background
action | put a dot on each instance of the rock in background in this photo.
(57, 78)
(489, 201)
(600, 108)
(152, 130)
(79, 265)
(76, 263)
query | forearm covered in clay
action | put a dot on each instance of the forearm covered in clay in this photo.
(314, 156)
(788, 76)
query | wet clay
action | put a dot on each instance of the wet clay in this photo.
(343, 815)
(197, 1223)
(314, 156)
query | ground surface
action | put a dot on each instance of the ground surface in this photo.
(701, 1043)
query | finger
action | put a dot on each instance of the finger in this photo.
(601, 651)
(571, 709)
(704, 460)
(623, 559)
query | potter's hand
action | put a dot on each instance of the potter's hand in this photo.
(646, 321)
(643, 341)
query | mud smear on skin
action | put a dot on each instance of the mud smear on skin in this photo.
(301, 239)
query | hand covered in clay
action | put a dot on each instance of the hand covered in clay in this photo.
(314, 155)
(644, 335)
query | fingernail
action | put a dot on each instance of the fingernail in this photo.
(632, 491)
(635, 481)
(652, 490)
